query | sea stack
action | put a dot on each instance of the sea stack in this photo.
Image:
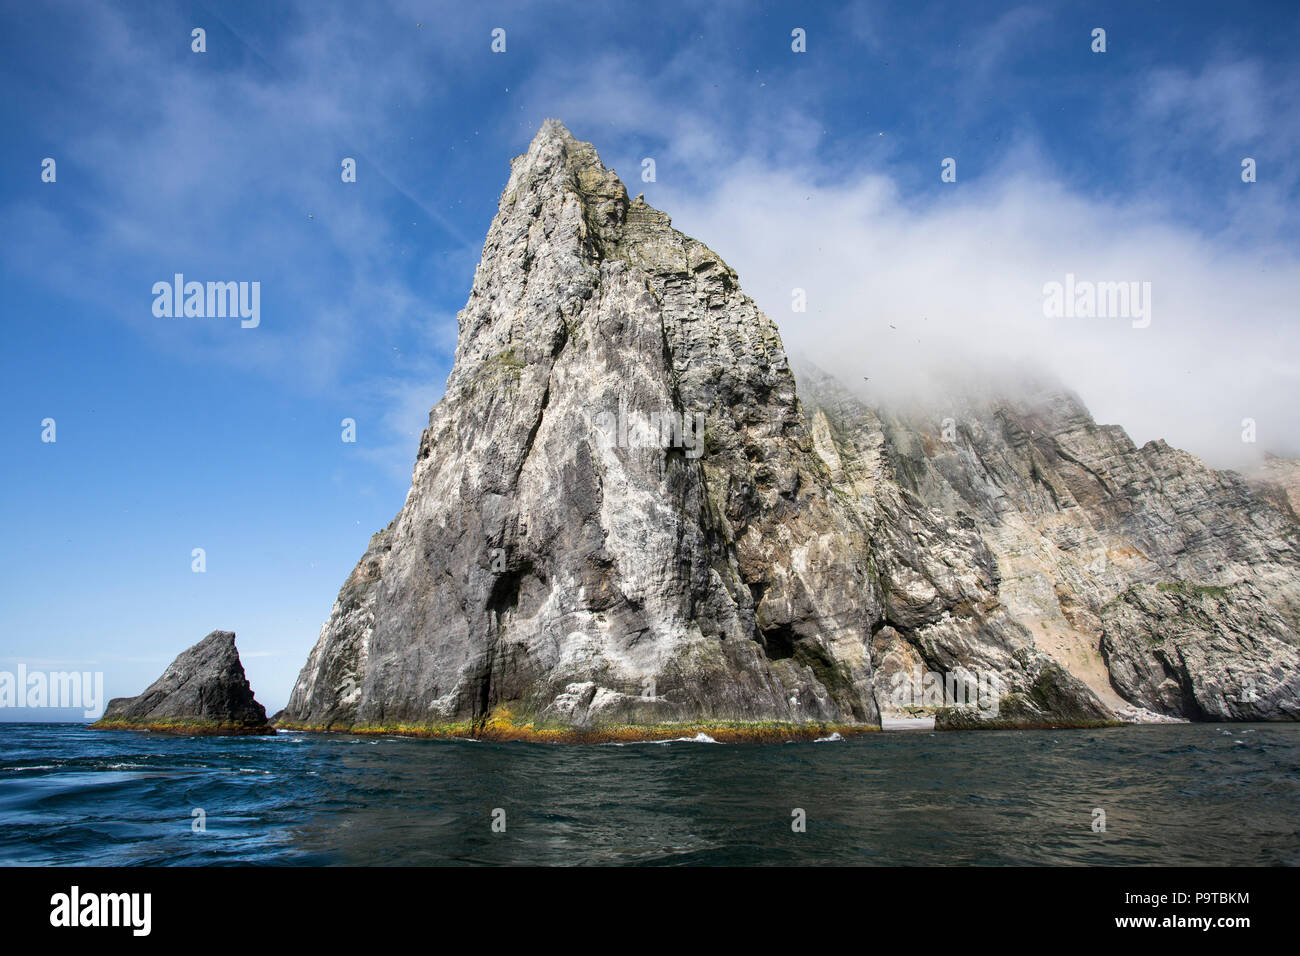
(623, 523)
(204, 691)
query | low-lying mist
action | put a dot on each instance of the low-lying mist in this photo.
(911, 304)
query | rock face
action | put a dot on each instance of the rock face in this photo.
(1158, 581)
(1278, 480)
(624, 522)
(1203, 652)
(203, 691)
(620, 520)
(942, 578)
(615, 518)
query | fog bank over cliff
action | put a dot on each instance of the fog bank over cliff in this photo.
(905, 300)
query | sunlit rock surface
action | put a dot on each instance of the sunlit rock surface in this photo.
(623, 522)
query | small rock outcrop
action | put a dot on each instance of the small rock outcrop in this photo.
(204, 691)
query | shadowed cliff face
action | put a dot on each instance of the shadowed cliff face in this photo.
(623, 520)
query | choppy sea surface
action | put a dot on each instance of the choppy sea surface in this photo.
(1183, 794)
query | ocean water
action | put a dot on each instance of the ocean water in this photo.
(1173, 794)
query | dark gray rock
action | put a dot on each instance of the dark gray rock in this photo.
(203, 691)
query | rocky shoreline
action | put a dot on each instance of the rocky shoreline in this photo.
(502, 730)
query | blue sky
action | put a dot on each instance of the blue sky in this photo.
(817, 170)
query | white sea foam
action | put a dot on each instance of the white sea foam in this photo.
(700, 738)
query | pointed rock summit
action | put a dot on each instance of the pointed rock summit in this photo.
(623, 523)
(615, 519)
(204, 691)
(618, 524)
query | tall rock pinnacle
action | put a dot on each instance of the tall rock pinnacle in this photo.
(615, 517)
(622, 521)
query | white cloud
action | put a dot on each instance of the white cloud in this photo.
(961, 280)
